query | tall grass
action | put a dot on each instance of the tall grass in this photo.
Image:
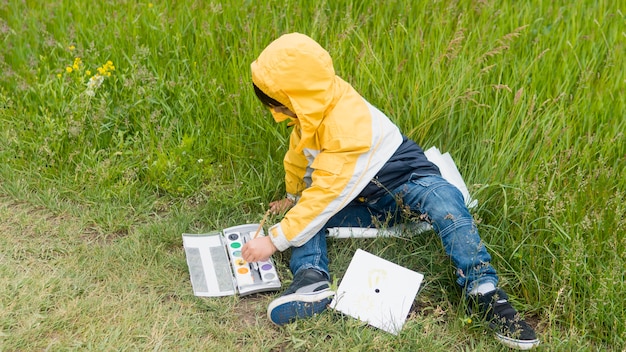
(527, 96)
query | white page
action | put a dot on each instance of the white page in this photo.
(377, 292)
(451, 173)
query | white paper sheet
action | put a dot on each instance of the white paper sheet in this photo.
(451, 173)
(377, 292)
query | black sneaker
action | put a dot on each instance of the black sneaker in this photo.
(510, 328)
(308, 294)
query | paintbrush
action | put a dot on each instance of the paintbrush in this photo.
(258, 230)
(267, 213)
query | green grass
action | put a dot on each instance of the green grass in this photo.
(95, 191)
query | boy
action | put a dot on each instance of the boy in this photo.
(349, 165)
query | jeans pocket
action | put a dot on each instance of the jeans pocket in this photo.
(425, 180)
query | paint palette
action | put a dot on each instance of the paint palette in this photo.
(216, 267)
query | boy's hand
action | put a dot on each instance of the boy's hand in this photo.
(280, 206)
(258, 249)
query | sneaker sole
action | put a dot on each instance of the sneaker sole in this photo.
(517, 344)
(287, 309)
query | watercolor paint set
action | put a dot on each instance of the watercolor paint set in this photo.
(216, 267)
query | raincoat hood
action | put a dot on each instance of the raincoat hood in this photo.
(297, 72)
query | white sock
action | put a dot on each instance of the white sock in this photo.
(483, 288)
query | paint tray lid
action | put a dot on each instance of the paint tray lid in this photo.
(209, 266)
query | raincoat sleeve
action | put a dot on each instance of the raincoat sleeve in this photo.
(333, 174)
(295, 165)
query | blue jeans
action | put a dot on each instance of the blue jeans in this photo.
(430, 198)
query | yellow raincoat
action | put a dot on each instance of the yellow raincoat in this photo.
(338, 143)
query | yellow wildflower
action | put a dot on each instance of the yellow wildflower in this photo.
(77, 63)
(88, 73)
(71, 47)
(105, 70)
(68, 69)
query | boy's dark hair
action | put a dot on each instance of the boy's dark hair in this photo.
(264, 98)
